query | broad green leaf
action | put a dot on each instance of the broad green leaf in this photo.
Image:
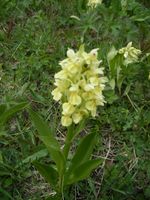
(83, 152)
(48, 172)
(49, 140)
(84, 149)
(9, 112)
(74, 130)
(82, 171)
(79, 127)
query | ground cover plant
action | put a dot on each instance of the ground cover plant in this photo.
(34, 38)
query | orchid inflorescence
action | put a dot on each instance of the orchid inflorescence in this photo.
(94, 3)
(130, 53)
(79, 85)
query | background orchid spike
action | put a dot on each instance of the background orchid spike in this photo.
(79, 85)
(130, 53)
(94, 3)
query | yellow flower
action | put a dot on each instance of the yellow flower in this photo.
(94, 3)
(74, 98)
(74, 88)
(94, 81)
(68, 109)
(63, 74)
(71, 54)
(77, 117)
(90, 57)
(56, 94)
(130, 53)
(88, 87)
(90, 105)
(79, 85)
(72, 68)
(66, 120)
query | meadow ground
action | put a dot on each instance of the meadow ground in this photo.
(34, 37)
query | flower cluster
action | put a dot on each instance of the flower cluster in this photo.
(130, 53)
(79, 85)
(94, 3)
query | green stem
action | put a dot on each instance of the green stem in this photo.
(62, 187)
(60, 191)
(72, 132)
(66, 149)
(68, 142)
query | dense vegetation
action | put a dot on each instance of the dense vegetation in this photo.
(34, 37)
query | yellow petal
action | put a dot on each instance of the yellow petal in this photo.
(94, 53)
(68, 109)
(66, 120)
(61, 75)
(89, 87)
(56, 94)
(74, 88)
(77, 117)
(88, 96)
(90, 105)
(94, 80)
(72, 68)
(74, 98)
(126, 54)
(70, 53)
(64, 63)
(93, 112)
(62, 85)
(129, 44)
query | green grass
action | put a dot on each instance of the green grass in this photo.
(34, 37)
